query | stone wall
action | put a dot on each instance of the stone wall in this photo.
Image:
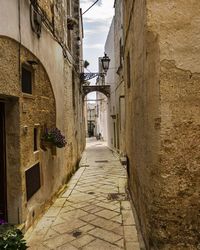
(162, 132)
(38, 110)
(56, 102)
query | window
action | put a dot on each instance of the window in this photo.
(26, 81)
(128, 72)
(120, 52)
(35, 139)
(69, 35)
(33, 183)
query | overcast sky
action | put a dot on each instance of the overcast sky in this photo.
(96, 26)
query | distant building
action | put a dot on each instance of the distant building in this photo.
(102, 107)
(113, 108)
(91, 119)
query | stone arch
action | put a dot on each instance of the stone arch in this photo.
(104, 89)
(23, 113)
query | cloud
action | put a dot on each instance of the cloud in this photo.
(96, 26)
(94, 46)
(91, 2)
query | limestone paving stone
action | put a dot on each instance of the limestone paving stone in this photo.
(59, 202)
(100, 245)
(82, 241)
(130, 233)
(104, 223)
(71, 215)
(125, 205)
(67, 247)
(120, 243)
(68, 226)
(132, 246)
(105, 235)
(86, 228)
(53, 211)
(107, 214)
(117, 219)
(82, 217)
(58, 241)
(127, 217)
(88, 217)
(51, 234)
(38, 247)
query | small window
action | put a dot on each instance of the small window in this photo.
(33, 183)
(26, 80)
(120, 52)
(35, 139)
(128, 65)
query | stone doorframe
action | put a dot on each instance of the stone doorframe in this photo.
(12, 134)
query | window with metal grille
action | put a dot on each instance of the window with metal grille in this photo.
(26, 80)
(33, 183)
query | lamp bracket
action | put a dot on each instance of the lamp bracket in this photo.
(88, 76)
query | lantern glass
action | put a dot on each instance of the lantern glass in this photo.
(105, 62)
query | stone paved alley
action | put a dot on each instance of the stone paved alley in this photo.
(86, 216)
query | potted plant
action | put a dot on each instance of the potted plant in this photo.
(71, 22)
(11, 237)
(52, 138)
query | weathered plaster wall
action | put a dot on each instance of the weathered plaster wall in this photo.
(176, 24)
(138, 110)
(162, 132)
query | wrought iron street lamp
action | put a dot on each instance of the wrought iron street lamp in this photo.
(105, 61)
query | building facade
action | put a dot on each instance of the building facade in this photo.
(114, 107)
(102, 107)
(162, 73)
(91, 119)
(40, 55)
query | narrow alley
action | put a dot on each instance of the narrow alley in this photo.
(94, 211)
(99, 125)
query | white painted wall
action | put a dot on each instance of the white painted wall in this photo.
(110, 79)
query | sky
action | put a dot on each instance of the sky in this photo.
(96, 26)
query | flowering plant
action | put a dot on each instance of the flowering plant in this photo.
(2, 222)
(55, 137)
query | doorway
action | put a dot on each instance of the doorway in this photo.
(3, 182)
(114, 130)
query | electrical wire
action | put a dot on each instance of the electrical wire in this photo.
(90, 7)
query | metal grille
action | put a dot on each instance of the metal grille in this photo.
(32, 180)
(26, 80)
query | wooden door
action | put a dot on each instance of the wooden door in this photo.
(3, 184)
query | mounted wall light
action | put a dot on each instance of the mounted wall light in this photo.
(105, 62)
(32, 62)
